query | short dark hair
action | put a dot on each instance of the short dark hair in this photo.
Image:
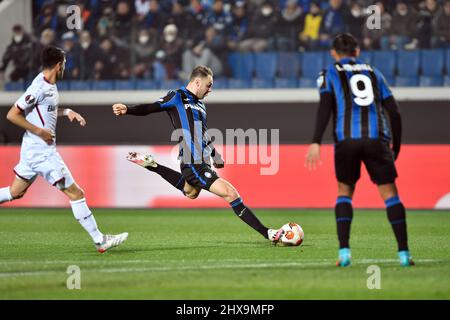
(51, 55)
(201, 71)
(345, 44)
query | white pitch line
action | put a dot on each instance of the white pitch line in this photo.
(212, 267)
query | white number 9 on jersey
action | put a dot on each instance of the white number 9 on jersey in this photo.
(363, 97)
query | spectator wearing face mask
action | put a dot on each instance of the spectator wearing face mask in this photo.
(19, 51)
(88, 52)
(144, 52)
(335, 21)
(47, 38)
(172, 46)
(404, 21)
(260, 31)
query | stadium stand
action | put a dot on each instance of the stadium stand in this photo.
(144, 44)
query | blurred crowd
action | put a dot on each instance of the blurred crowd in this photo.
(165, 39)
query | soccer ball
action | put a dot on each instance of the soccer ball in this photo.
(292, 234)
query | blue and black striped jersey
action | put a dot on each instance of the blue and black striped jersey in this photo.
(188, 114)
(358, 90)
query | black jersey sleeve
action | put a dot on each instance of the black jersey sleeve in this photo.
(323, 115)
(161, 105)
(391, 106)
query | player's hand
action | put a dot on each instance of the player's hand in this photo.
(313, 156)
(119, 109)
(72, 115)
(46, 135)
(218, 162)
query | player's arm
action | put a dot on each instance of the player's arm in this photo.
(162, 104)
(216, 156)
(72, 115)
(15, 115)
(391, 106)
(322, 118)
(136, 110)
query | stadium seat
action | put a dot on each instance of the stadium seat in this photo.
(238, 83)
(262, 83)
(447, 81)
(384, 61)
(77, 85)
(312, 64)
(242, 65)
(124, 84)
(147, 85)
(286, 83)
(328, 59)
(366, 57)
(171, 84)
(390, 80)
(432, 62)
(307, 82)
(103, 85)
(63, 85)
(447, 61)
(266, 65)
(408, 63)
(430, 81)
(14, 86)
(401, 81)
(288, 65)
(220, 83)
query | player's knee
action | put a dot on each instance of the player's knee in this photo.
(231, 194)
(192, 195)
(17, 195)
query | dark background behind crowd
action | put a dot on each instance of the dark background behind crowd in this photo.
(151, 39)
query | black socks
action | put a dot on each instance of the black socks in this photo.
(344, 216)
(246, 215)
(173, 177)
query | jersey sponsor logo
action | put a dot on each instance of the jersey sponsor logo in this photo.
(51, 108)
(29, 99)
(208, 175)
(196, 107)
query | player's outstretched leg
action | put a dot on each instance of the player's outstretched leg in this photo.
(173, 177)
(224, 189)
(103, 242)
(344, 216)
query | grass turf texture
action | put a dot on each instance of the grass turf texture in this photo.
(211, 254)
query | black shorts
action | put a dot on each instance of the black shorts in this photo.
(199, 175)
(376, 156)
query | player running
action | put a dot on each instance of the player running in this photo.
(37, 111)
(357, 94)
(188, 113)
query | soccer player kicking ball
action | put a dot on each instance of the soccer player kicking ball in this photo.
(188, 113)
(37, 111)
(357, 95)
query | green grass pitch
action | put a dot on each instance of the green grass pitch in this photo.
(211, 254)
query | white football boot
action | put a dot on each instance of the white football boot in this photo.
(142, 160)
(275, 235)
(111, 241)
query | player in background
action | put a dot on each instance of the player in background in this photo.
(357, 95)
(37, 111)
(187, 112)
